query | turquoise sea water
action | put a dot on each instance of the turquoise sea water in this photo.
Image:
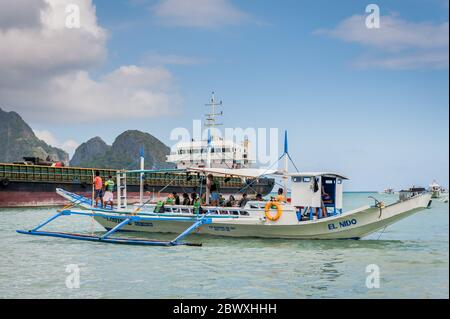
(412, 256)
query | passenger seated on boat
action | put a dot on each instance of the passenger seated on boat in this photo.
(193, 199)
(326, 199)
(186, 200)
(231, 202)
(159, 209)
(243, 201)
(177, 200)
(170, 200)
(280, 197)
(221, 200)
(259, 198)
(198, 207)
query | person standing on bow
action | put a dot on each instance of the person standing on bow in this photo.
(98, 188)
(108, 198)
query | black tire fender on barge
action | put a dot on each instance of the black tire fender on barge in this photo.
(5, 182)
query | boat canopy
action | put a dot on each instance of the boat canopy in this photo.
(316, 174)
(238, 172)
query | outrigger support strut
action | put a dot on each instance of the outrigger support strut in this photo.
(118, 227)
(125, 220)
(192, 228)
(48, 221)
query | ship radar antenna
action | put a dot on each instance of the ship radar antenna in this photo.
(211, 122)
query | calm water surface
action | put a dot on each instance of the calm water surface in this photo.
(412, 256)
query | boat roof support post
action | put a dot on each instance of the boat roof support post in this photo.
(141, 177)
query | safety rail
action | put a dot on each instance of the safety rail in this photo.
(37, 173)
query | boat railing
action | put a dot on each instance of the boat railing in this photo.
(67, 174)
(180, 209)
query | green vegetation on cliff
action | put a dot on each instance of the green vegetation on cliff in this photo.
(17, 140)
(124, 152)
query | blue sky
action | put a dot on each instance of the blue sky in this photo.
(372, 106)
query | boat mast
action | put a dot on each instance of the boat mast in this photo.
(286, 163)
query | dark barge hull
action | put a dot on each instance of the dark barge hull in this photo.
(15, 193)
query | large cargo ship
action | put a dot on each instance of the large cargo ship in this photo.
(24, 185)
(33, 182)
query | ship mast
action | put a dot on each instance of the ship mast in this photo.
(210, 122)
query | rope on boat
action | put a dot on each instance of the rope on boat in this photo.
(382, 232)
(254, 181)
(92, 204)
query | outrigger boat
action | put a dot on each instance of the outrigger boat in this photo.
(308, 214)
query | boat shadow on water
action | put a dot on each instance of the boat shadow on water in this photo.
(215, 241)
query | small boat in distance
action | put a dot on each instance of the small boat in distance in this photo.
(388, 191)
(435, 189)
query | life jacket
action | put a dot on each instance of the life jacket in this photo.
(109, 185)
(197, 206)
(159, 207)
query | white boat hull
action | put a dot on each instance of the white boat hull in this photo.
(354, 224)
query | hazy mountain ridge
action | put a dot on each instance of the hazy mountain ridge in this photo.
(18, 140)
(123, 153)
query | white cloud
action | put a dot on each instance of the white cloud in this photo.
(45, 68)
(20, 13)
(422, 60)
(198, 13)
(69, 145)
(397, 44)
(170, 59)
(49, 48)
(129, 92)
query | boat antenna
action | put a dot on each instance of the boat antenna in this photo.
(211, 117)
(286, 162)
(287, 158)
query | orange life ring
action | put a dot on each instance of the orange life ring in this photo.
(269, 216)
